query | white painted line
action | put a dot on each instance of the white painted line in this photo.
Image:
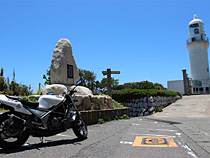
(169, 130)
(62, 135)
(182, 144)
(152, 135)
(190, 152)
(125, 142)
(135, 124)
(179, 134)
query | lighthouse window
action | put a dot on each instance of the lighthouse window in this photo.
(196, 31)
(194, 25)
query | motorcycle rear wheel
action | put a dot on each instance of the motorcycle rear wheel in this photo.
(10, 137)
(80, 129)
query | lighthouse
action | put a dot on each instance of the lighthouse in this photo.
(197, 45)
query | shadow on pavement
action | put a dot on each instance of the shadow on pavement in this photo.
(41, 145)
(164, 121)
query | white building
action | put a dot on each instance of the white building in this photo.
(197, 45)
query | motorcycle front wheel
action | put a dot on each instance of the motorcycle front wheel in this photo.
(11, 136)
(80, 129)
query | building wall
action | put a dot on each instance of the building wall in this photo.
(177, 86)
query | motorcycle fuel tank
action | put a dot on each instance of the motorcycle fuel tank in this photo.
(48, 101)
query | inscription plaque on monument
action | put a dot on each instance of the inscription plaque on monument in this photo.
(69, 71)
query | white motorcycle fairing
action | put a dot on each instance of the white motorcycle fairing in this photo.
(17, 105)
(45, 102)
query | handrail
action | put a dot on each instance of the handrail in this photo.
(195, 39)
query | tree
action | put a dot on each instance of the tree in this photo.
(3, 85)
(47, 77)
(13, 88)
(159, 86)
(88, 79)
(103, 83)
(2, 72)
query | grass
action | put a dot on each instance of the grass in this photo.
(123, 117)
(2, 110)
(159, 109)
(117, 105)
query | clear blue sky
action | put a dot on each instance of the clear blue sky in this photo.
(145, 40)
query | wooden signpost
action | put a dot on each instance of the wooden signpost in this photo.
(108, 73)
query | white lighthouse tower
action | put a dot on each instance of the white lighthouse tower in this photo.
(197, 45)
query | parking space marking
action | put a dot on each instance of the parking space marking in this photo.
(125, 142)
(152, 135)
(154, 141)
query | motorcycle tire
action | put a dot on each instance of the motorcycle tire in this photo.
(20, 139)
(80, 129)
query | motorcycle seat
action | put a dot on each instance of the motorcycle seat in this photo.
(30, 104)
(24, 102)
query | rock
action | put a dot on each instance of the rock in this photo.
(79, 99)
(63, 66)
(95, 106)
(150, 99)
(56, 89)
(109, 102)
(146, 113)
(140, 114)
(82, 90)
(102, 100)
(150, 109)
(87, 103)
(144, 110)
(95, 99)
(145, 105)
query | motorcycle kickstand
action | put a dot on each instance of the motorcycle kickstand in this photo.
(41, 139)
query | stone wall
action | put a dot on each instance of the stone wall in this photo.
(148, 105)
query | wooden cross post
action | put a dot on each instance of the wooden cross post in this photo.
(108, 73)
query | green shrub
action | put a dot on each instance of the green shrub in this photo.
(159, 109)
(129, 94)
(118, 105)
(116, 118)
(101, 121)
(39, 92)
(124, 117)
(142, 85)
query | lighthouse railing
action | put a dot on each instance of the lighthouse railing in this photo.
(197, 39)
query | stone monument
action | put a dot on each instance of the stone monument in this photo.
(63, 66)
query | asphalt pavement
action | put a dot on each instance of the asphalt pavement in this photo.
(168, 134)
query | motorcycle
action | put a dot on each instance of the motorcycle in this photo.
(51, 115)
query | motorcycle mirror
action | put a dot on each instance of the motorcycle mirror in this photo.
(79, 82)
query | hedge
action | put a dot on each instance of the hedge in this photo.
(129, 94)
